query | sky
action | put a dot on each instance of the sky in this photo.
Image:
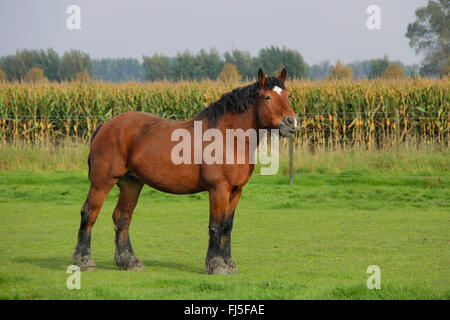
(319, 29)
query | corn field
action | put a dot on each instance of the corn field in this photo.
(333, 114)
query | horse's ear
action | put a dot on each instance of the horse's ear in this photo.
(261, 78)
(282, 75)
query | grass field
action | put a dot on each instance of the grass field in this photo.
(313, 240)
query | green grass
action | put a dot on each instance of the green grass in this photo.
(313, 240)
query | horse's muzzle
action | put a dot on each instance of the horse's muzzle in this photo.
(289, 125)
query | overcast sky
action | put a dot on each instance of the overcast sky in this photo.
(318, 29)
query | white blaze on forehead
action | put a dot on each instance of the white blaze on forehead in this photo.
(277, 89)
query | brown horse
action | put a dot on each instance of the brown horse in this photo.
(135, 148)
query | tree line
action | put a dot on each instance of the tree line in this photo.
(77, 65)
(34, 65)
(366, 69)
(72, 65)
(188, 66)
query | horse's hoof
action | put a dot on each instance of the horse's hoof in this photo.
(134, 264)
(223, 271)
(218, 266)
(85, 263)
(137, 266)
(88, 268)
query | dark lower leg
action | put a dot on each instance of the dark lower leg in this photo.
(82, 255)
(226, 243)
(129, 193)
(218, 258)
(89, 212)
(124, 257)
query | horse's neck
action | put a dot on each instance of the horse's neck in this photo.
(245, 121)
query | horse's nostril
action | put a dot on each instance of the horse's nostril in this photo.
(289, 120)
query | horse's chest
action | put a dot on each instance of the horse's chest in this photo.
(240, 176)
(233, 175)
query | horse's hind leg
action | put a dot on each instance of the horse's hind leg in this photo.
(130, 189)
(89, 212)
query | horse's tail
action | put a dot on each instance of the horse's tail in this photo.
(89, 157)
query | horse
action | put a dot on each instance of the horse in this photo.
(134, 149)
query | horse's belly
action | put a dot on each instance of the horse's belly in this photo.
(177, 179)
(174, 189)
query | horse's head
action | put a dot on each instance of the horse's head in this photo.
(274, 109)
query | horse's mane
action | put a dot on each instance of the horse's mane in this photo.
(237, 100)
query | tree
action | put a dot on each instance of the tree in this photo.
(394, 71)
(16, 66)
(360, 69)
(229, 73)
(74, 62)
(272, 59)
(3, 77)
(445, 70)
(34, 75)
(157, 67)
(320, 71)
(185, 67)
(411, 71)
(209, 63)
(82, 76)
(378, 66)
(50, 62)
(430, 35)
(340, 72)
(243, 61)
(117, 70)
(204, 65)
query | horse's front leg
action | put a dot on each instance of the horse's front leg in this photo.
(223, 201)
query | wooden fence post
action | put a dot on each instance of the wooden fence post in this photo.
(291, 159)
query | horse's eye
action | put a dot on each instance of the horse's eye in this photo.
(267, 98)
